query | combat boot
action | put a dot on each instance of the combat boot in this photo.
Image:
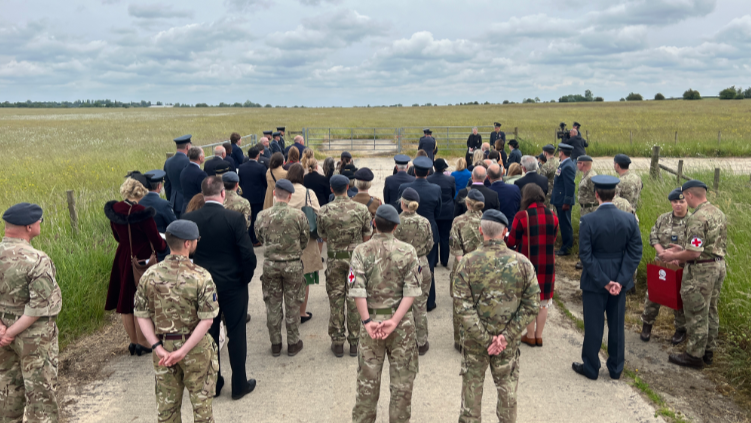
(292, 350)
(579, 265)
(686, 360)
(337, 349)
(646, 332)
(423, 349)
(276, 350)
(353, 350)
(679, 336)
(708, 357)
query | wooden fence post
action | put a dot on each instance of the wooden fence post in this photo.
(717, 180)
(516, 133)
(170, 155)
(654, 167)
(679, 174)
(72, 210)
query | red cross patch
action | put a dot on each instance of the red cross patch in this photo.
(696, 242)
(351, 276)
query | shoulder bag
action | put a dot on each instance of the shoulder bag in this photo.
(311, 215)
(138, 268)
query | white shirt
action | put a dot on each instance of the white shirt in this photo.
(215, 202)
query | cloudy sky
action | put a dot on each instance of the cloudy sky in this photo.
(347, 52)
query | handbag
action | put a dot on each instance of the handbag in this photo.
(311, 215)
(138, 268)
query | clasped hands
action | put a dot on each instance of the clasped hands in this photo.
(614, 288)
(669, 255)
(4, 340)
(498, 344)
(169, 359)
(380, 330)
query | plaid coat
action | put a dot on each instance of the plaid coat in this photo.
(539, 247)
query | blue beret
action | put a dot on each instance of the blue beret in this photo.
(584, 158)
(566, 147)
(388, 212)
(346, 155)
(494, 215)
(605, 181)
(676, 194)
(423, 163)
(550, 148)
(476, 195)
(285, 185)
(230, 177)
(440, 165)
(364, 174)
(401, 159)
(182, 140)
(23, 214)
(410, 194)
(692, 184)
(156, 175)
(622, 159)
(514, 143)
(339, 182)
(222, 168)
(183, 229)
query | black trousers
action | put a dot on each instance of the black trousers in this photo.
(596, 306)
(254, 210)
(234, 306)
(444, 230)
(432, 260)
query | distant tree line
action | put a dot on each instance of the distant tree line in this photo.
(77, 103)
(733, 93)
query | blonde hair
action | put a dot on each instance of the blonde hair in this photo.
(132, 190)
(477, 157)
(307, 154)
(514, 169)
(363, 185)
(474, 205)
(311, 164)
(461, 164)
(411, 205)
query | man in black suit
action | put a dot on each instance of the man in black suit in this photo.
(253, 184)
(217, 161)
(226, 252)
(529, 166)
(173, 167)
(393, 182)
(446, 217)
(192, 176)
(479, 174)
(610, 249)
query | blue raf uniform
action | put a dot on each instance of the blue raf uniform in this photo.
(430, 208)
(191, 179)
(499, 135)
(446, 217)
(393, 182)
(515, 156)
(427, 143)
(237, 157)
(610, 249)
(563, 194)
(274, 145)
(279, 130)
(173, 167)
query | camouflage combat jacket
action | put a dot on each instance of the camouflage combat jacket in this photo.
(235, 202)
(630, 188)
(344, 223)
(669, 229)
(706, 232)
(415, 230)
(27, 280)
(284, 231)
(548, 169)
(623, 205)
(587, 190)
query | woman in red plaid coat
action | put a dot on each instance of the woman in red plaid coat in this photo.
(533, 234)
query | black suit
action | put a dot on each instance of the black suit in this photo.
(320, 185)
(491, 199)
(226, 252)
(190, 179)
(237, 155)
(579, 145)
(533, 178)
(264, 160)
(610, 249)
(391, 188)
(446, 217)
(216, 162)
(253, 184)
(233, 165)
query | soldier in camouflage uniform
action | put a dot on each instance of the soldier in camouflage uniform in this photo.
(343, 224)
(175, 305)
(623, 205)
(704, 254)
(630, 186)
(670, 228)
(548, 169)
(384, 281)
(464, 238)
(415, 230)
(30, 301)
(587, 201)
(496, 295)
(285, 233)
(234, 201)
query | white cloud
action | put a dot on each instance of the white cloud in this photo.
(156, 11)
(652, 12)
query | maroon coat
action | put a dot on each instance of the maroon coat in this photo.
(543, 228)
(122, 289)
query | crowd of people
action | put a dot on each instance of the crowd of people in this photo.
(183, 264)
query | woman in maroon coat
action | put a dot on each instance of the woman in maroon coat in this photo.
(122, 289)
(533, 234)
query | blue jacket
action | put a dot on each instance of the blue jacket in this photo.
(190, 179)
(509, 197)
(448, 192)
(274, 147)
(461, 178)
(427, 144)
(172, 187)
(164, 213)
(391, 188)
(253, 181)
(515, 156)
(430, 202)
(300, 148)
(610, 248)
(237, 156)
(564, 185)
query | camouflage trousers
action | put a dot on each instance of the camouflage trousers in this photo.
(651, 310)
(505, 371)
(28, 373)
(197, 372)
(700, 291)
(455, 319)
(337, 288)
(401, 348)
(420, 305)
(283, 281)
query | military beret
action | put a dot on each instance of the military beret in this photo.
(494, 215)
(566, 147)
(277, 134)
(222, 168)
(268, 132)
(388, 213)
(230, 176)
(348, 170)
(622, 159)
(440, 165)
(23, 214)
(280, 128)
(182, 140)
(422, 163)
(410, 194)
(676, 194)
(497, 124)
(285, 185)
(584, 158)
(339, 182)
(141, 178)
(550, 148)
(364, 174)
(346, 155)
(577, 124)
(514, 143)
(156, 175)
(693, 184)
(426, 130)
(401, 159)
(476, 195)
(605, 181)
(183, 229)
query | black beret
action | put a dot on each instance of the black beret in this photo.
(584, 158)
(514, 143)
(440, 165)
(550, 148)
(622, 159)
(23, 214)
(693, 184)
(423, 163)
(401, 159)
(364, 174)
(605, 181)
(183, 229)
(494, 215)
(348, 171)
(222, 168)
(182, 140)
(156, 175)
(497, 125)
(141, 178)
(476, 195)
(542, 157)
(566, 147)
(285, 185)
(346, 155)
(410, 194)
(388, 212)
(338, 182)
(676, 194)
(230, 176)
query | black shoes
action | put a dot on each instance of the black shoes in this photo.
(132, 348)
(646, 332)
(248, 389)
(579, 265)
(562, 253)
(338, 350)
(219, 386)
(431, 308)
(457, 347)
(308, 316)
(579, 368)
(353, 350)
(142, 350)
(708, 358)
(678, 337)
(247, 318)
(687, 360)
